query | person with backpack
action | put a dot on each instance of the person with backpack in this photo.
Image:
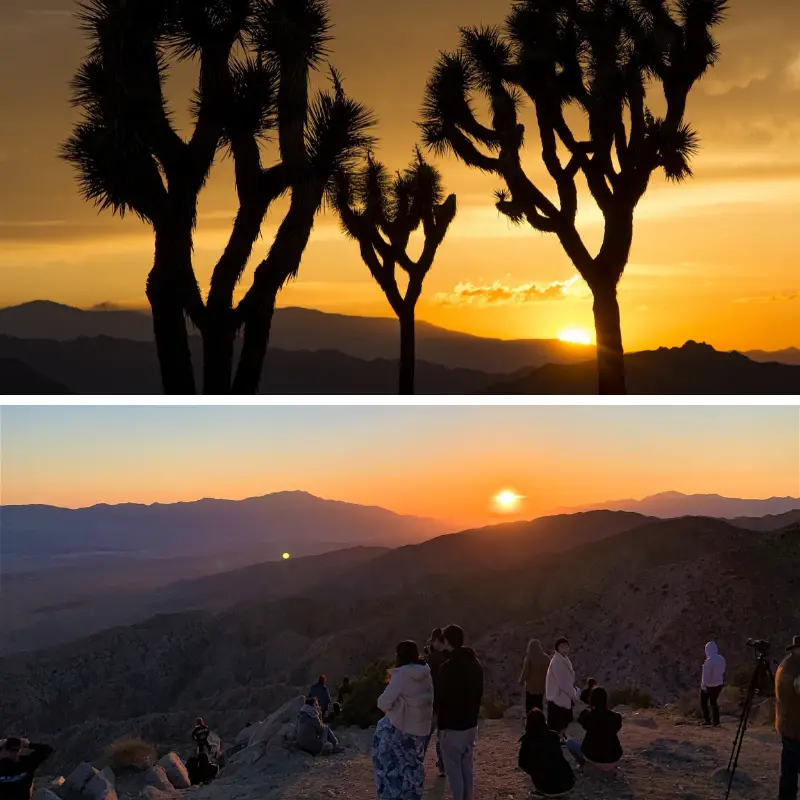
(398, 748)
(17, 770)
(435, 656)
(541, 757)
(600, 745)
(458, 705)
(534, 675)
(712, 680)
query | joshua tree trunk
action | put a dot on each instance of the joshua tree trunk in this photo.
(254, 346)
(610, 355)
(169, 321)
(407, 351)
(218, 341)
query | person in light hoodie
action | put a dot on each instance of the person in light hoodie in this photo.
(560, 691)
(398, 749)
(711, 682)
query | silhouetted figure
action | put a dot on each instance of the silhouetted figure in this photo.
(398, 749)
(344, 690)
(322, 694)
(711, 682)
(787, 719)
(540, 756)
(600, 745)
(200, 734)
(381, 214)
(458, 702)
(17, 770)
(200, 769)
(311, 733)
(560, 688)
(587, 691)
(534, 675)
(604, 65)
(435, 656)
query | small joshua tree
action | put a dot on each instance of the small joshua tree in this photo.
(381, 213)
(255, 58)
(603, 58)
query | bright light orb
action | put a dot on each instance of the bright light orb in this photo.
(575, 336)
(286, 556)
(507, 501)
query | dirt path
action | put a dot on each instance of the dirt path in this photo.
(663, 761)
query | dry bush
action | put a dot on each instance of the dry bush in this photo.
(130, 753)
(632, 696)
(493, 708)
(689, 704)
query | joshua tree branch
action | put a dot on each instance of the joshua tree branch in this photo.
(466, 150)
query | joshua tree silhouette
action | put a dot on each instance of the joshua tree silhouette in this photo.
(603, 58)
(381, 213)
(255, 58)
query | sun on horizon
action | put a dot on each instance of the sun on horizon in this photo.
(507, 501)
(576, 336)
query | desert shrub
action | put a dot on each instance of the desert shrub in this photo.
(689, 704)
(493, 707)
(633, 696)
(740, 677)
(360, 706)
(130, 753)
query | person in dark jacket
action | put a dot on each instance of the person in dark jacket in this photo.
(458, 704)
(200, 769)
(200, 734)
(541, 757)
(435, 656)
(600, 744)
(322, 693)
(17, 770)
(586, 693)
(345, 689)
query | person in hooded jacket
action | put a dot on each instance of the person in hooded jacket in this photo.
(534, 675)
(600, 745)
(435, 656)
(560, 691)
(311, 733)
(17, 770)
(398, 749)
(540, 755)
(711, 682)
(458, 705)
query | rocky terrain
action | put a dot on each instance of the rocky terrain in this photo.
(638, 603)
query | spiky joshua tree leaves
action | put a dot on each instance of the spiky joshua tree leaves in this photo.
(381, 213)
(597, 59)
(255, 58)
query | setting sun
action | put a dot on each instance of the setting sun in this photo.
(507, 501)
(575, 336)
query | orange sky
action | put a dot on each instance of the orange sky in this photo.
(444, 462)
(713, 260)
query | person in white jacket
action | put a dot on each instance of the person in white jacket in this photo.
(712, 680)
(560, 691)
(398, 749)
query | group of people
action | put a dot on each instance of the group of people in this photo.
(313, 732)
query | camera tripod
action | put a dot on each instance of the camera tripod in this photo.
(762, 676)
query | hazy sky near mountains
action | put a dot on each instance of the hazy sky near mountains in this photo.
(713, 260)
(443, 462)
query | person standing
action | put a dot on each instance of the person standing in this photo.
(560, 689)
(321, 692)
(458, 703)
(711, 683)
(435, 656)
(534, 675)
(787, 719)
(17, 770)
(398, 749)
(200, 734)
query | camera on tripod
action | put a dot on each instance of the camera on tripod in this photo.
(761, 646)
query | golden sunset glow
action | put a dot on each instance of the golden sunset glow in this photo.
(507, 501)
(286, 556)
(576, 336)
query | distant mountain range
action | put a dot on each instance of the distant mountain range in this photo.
(677, 504)
(47, 348)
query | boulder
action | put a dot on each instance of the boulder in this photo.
(157, 776)
(79, 777)
(176, 770)
(44, 794)
(99, 787)
(516, 712)
(154, 793)
(264, 731)
(109, 775)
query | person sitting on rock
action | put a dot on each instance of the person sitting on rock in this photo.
(600, 746)
(586, 694)
(311, 734)
(322, 694)
(17, 770)
(541, 757)
(200, 734)
(200, 769)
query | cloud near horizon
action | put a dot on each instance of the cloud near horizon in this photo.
(498, 293)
